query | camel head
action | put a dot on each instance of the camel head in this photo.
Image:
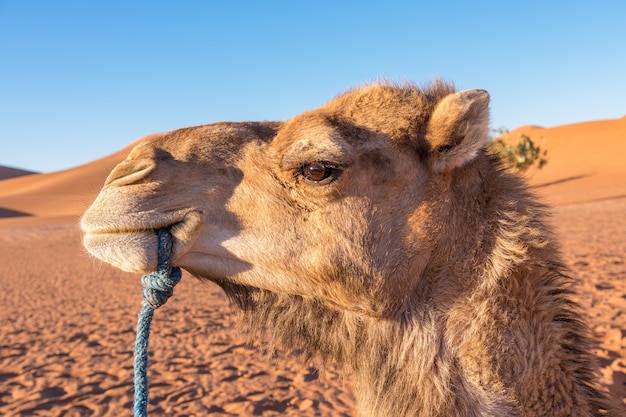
(374, 231)
(344, 204)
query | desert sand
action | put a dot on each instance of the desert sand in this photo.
(67, 322)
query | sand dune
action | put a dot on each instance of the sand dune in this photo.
(63, 193)
(587, 161)
(67, 322)
(9, 172)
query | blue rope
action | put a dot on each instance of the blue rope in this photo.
(158, 287)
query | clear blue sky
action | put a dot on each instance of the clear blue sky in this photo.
(82, 79)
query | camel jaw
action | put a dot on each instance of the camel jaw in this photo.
(130, 243)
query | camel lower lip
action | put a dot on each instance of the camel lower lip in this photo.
(134, 248)
(128, 251)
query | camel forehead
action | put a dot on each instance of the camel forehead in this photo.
(372, 116)
(334, 132)
(311, 142)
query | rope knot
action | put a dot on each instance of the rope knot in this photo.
(159, 285)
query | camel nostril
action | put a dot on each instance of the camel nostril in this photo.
(130, 172)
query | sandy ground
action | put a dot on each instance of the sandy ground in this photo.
(67, 322)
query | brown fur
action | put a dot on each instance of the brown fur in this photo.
(421, 265)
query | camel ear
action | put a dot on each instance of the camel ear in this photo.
(458, 129)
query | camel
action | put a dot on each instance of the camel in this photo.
(377, 232)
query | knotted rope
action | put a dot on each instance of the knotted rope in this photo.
(158, 287)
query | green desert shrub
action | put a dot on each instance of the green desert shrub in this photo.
(521, 155)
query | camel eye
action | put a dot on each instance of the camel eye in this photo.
(316, 172)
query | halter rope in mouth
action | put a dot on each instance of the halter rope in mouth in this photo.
(158, 288)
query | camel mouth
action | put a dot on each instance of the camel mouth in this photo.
(95, 224)
(132, 245)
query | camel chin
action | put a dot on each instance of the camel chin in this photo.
(130, 252)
